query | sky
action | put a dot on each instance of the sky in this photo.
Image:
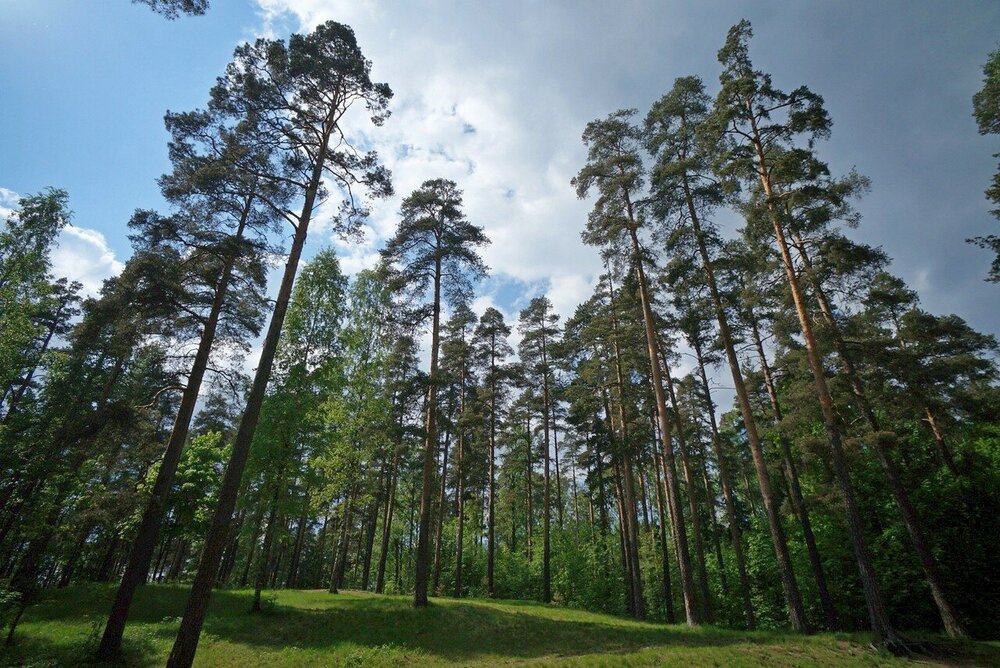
(495, 96)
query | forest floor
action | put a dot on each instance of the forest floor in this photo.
(314, 628)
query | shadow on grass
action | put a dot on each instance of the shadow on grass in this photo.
(458, 631)
(449, 630)
(70, 645)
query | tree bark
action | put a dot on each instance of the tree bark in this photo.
(668, 594)
(546, 493)
(300, 534)
(906, 510)
(873, 597)
(137, 568)
(491, 540)
(186, 643)
(430, 452)
(789, 584)
(670, 473)
(340, 557)
(265, 556)
(390, 504)
(631, 529)
(442, 506)
(460, 488)
(795, 489)
(696, 525)
(725, 481)
(369, 546)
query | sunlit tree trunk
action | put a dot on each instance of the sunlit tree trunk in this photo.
(789, 584)
(670, 473)
(873, 597)
(906, 510)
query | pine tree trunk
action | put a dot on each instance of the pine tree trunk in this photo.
(713, 519)
(546, 491)
(442, 506)
(390, 504)
(725, 481)
(624, 538)
(300, 534)
(631, 533)
(602, 497)
(265, 556)
(460, 490)
(245, 577)
(108, 562)
(491, 541)
(668, 594)
(430, 452)
(340, 557)
(186, 643)
(66, 576)
(696, 525)
(796, 496)
(529, 496)
(673, 487)
(944, 452)
(789, 584)
(161, 555)
(369, 546)
(149, 526)
(575, 492)
(555, 452)
(906, 510)
(641, 472)
(873, 597)
(232, 548)
(180, 556)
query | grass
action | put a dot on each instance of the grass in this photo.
(313, 628)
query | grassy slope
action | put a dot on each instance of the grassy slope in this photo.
(311, 628)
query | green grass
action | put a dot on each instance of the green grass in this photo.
(313, 628)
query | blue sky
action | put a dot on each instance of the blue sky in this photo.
(495, 95)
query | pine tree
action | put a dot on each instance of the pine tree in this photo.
(220, 229)
(986, 110)
(687, 191)
(615, 168)
(745, 112)
(539, 333)
(491, 351)
(296, 94)
(433, 250)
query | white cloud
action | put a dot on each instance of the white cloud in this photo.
(82, 254)
(465, 109)
(251, 360)
(485, 301)
(357, 256)
(921, 280)
(8, 202)
(496, 95)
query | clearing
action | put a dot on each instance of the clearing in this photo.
(314, 628)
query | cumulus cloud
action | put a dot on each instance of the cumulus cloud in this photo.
(464, 110)
(82, 254)
(8, 202)
(495, 96)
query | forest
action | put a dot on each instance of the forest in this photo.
(749, 427)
